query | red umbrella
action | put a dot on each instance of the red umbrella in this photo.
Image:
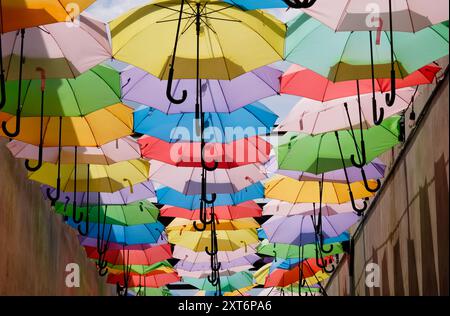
(228, 212)
(306, 83)
(153, 281)
(283, 278)
(187, 154)
(145, 255)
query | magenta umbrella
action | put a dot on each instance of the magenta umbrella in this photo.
(116, 151)
(188, 180)
(217, 95)
(189, 255)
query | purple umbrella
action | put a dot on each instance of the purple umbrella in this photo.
(374, 170)
(138, 192)
(248, 260)
(217, 95)
(299, 230)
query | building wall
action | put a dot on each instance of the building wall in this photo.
(406, 230)
(35, 244)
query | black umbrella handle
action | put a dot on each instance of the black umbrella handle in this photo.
(300, 4)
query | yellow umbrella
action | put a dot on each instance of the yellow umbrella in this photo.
(228, 240)
(293, 191)
(231, 41)
(93, 130)
(102, 178)
(181, 224)
(261, 275)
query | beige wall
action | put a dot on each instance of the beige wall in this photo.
(35, 244)
(406, 232)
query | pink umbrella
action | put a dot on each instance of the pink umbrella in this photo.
(64, 51)
(281, 208)
(188, 180)
(314, 117)
(223, 256)
(116, 151)
(306, 83)
(187, 154)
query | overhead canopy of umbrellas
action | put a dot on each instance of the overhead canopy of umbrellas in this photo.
(181, 131)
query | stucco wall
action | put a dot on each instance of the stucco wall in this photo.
(35, 244)
(406, 232)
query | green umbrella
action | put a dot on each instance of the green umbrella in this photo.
(287, 251)
(320, 153)
(148, 291)
(126, 215)
(142, 269)
(227, 283)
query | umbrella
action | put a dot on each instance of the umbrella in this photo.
(55, 48)
(300, 230)
(135, 193)
(290, 291)
(306, 83)
(189, 255)
(217, 95)
(126, 235)
(181, 224)
(118, 150)
(136, 213)
(228, 283)
(152, 281)
(247, 261)
(17, 15)
(140, 254)
(251, 120)
(293, 191)
(147, 270)
(228, 212)
(315, 117)
(148, 291)
(282, 208)
(287, 251)
(205, 273)
(187, 154)
(188, 180)
(268, 4)
(228, 240)
(172, 197)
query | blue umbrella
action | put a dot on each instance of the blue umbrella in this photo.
(126, 235)
(268, 4)
(251, 120)
(172, 197)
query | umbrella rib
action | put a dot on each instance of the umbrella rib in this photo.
(340, 58)
(65, 59)
(265, 82)
(224, 97)
(223, 55)
(75, 97)
(112, 88)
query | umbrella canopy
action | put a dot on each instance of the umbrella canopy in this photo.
(217, 95)
(189, 180)
(343, 56)
(102, 178)
(189, 255)
(251, 120)
(27, 13)
(125, 235)
(95, 89)
(202, 274)
(306, 83)
(137, 213)
(222, 54)
(407, 15)
(282, 208)
(181, 225)
(300, 230)
(135, 255)
(315, 117)
(228, 284)
(93, 130)
(321, 153)
(227, 212)
(152, 281)
(172, 197)
(118, 150)
(228, 240)
(293, 191)
(287, 251)
(147, 270)
(148, 291)
(248, 261)
(257, 4)
(56, 48)
(187, 154)
(138, 192)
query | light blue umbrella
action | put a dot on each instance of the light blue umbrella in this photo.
(251, 120)
(257, 4)
(172, 197)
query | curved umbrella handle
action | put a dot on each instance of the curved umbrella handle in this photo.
(209, 201)
(326, 251)
(377, 120)
(169, 89)
(359, 211)
(198, 227)
(130, 185)
(363, 161)
(16, 132)
(366, 183)
(66, 218)
(333, 268)
(300, 4)
(58, 192)
(207, 168)
(390, 97)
